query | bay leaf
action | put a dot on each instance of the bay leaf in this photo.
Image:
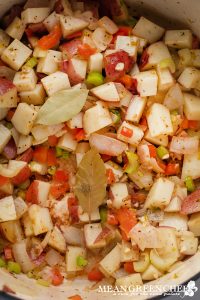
(91, 181)
(62, 106)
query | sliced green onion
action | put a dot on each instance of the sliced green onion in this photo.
(14, 267)
(43, 282)
(2, 263)
(189, 183)
(133, 162)
(116, 116)
(95, 78)
(31, 63)
(61, 153)
(162, 152)
(81, 261)
(65, 154)
(103, 214)
(51, 170)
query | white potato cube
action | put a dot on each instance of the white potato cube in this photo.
(159, 120)
(76, 121)
(79, 67)
(35, 14)
(4, 40)
(24, 118)
(71, 258)
(129, 280)
(111, 262)
(128, 44)
(108, 25)
(8, 97)
(5, 135)
(40, 218)
(106, 92)
(67, 142)
(189, 78)
(161, 140)
(24, 143)
(7, 209)
(37, 167)
(195, 54)
(174, 219)
(35, 96)
(71, 24)
(191, 166)
(160, 193)
(95, 62)
(128, 253)
(84, 217)
(135, 109)
(178, 39)
(16, 54)
(49, 63)
(165, 79)
(147, 83)
(148, 30)
(191, 106)
(194, 224)
(20, 206)
(120, 195)
(25, 80)
(101, 38)
(51, 21)
(174, 205)
(57, 240)
(188, 245)
(55, 82)
(16, 29)
(143, 178)
(96, 118)
(91, 232)
(151, 273)
(142, 43)
(39, 53)
(130, 133)
(43, 192)
(27, 225)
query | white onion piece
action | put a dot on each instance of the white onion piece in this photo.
(101, 38)
(12, 169)
(53, 258)
(107, 145)
(174, 98)
(73, 236)
(155, 216)
(21, 256)
(184, 145)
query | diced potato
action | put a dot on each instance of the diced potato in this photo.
(16, 54)
(189, 77)
(142, 178)
(38, 168)
(91, 232)
(57, 240)
(24, 118)
(157, 140)
(129, 280)
(142, 264)
(51, 21)
(71, 24)
(142, 43)
(73, 235)
(20, 206)
(40, 218)
(178, 39)
(151, 273)
(35, 96)
(4, 40)
(8, 97)
(84, 217)
(71, 257)
(148, 30)
(111, 262)
(86, 38)
(191, 107)
(174, 205)
(127, 43)
(101, 38)
(49, 63)
(128, 253)
(39, 53)
(174, 219)
(120, 195)
(108, 25)
(5, 135)
(27, 225)
(195, 53)
(16, 29)
(106, 92)
(135, 109)
(25, 80)
(188, 245)
(147, 83)
(191, 166)
(7, 209)
(55, 82)
(96, 118)
(12, 231)
(194, 223)
(24, 143)
(35, 14)
(165, 79)
(43, 192)
(79, 69)
(76, 121)
(67, 142)
(160, 193)
(95, 63)
(134, 135)
(159, 120)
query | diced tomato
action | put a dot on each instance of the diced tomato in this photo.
(128, 267)
(95, 274)
(53, 140)
(52, 39)
(75, 297)
(195, 42)
(144, 59)
(27, 155)
(127, 132)
(172, 169)
(74, 35)
(85, 51)
(110, 176)
(32, 193)
(123, 31)
(8, 253)
(57, 277)
(22, 176)
(105, 157)
(184, 123)
(111, 61)
(71, 48)
(73, 209)
(111, 218)
(59, 189)
(51, 157)
(60, 176)
(80, 135)
(152, 151)
(126, 218)
(10, 114)
(3, 180)
(40, 154)
(191, 203)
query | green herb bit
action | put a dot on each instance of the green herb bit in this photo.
(162, 152)
(14, 267)
(2, 263)
(189, 183)
(95, 78)
(103, 213)
(81, 261)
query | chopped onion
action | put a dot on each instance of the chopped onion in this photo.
(101, 38)
(155, 215)
(184, 145)
(174, 98)
(53, 258)
(12, 169)
(73, 236)
(21, 256)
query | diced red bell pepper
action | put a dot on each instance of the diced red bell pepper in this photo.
(51, 157)
(53, 140)
(73, 209)
(110, 176)
(74, 35)
(152, 151)
(95, 274)
(3, 180)
(52, 39)
(8, 253)
(75, 297)
(128, 267)
(123, 31)
(22, 176)
(32, 193)
(60, 176)
(85, 50)
(106, 157)
(172, 169)
(80, 135)
(112, 218)
(127, 219)
(40, 154)
(59, 189)
(57, 278)
(127, 132)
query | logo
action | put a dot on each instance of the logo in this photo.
(191, 289)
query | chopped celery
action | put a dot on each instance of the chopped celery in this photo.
(174, 112)
(43, 282)
(61, 153)
(31, 63)
(14, 267)
(189, 183)
(103, 214)
(95, 78)
(116, 116)
(2, 263)
(162, 152)
(21, 194)
(51, 170)
(133, 162)
(81, 261)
